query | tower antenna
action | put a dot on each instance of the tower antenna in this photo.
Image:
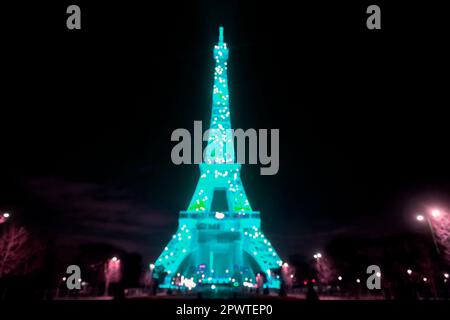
(220, 34)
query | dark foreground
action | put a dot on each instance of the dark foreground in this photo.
(252, 308)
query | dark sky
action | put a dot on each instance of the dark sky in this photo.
(86, 116)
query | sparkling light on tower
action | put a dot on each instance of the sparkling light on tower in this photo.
(219, 246)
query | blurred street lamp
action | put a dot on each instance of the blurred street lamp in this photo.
(409, 271)
(358, 281)
(340, 278)
(58, 288)
(4, 217)
(112, 272)
(420, 218)
(438, 222)
(446, 275)
(149, 277)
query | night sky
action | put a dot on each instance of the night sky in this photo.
(86, 116)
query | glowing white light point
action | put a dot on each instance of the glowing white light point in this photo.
(435, 213)
(220, 215)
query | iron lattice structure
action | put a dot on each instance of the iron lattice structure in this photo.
(219, 247)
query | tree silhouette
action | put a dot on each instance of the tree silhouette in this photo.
(19, 254)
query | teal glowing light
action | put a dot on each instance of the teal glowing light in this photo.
(219, 246)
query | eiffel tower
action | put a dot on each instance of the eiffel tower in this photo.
(214, 247)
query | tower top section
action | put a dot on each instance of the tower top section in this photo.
(220, 148)
(221, 49)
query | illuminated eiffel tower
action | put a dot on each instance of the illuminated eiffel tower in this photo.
(219, 247)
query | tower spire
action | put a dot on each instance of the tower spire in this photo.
(220, 35)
